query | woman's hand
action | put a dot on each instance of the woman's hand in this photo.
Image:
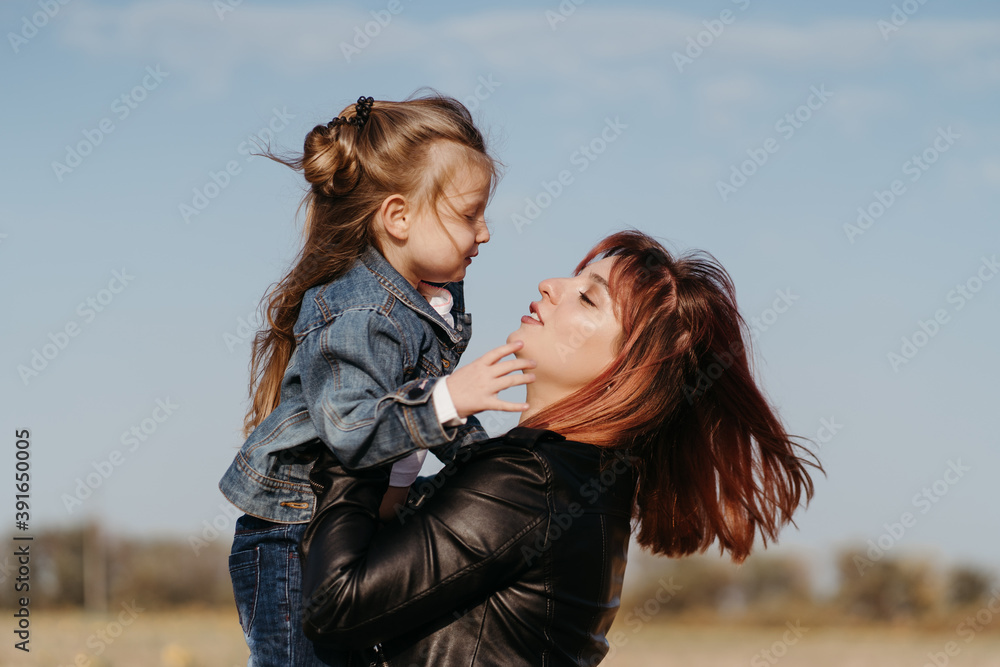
(474, 387)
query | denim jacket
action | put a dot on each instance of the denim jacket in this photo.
(368, 350)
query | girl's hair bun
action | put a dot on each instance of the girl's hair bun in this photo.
(330, 159)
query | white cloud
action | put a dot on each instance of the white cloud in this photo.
(853, 107)
(724, 100)
(594, 44)
(190, 38)
(991, 171)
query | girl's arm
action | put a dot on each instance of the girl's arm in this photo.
(352, 372)
(394, 495)
(362, 585)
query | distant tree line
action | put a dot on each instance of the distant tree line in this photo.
(772, 588)
(87, 568)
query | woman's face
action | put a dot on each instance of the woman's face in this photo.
(574, 334)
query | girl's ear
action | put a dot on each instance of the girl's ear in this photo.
(394, 217)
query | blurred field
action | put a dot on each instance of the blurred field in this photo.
(189, 638)
(208, 638)
(677, 646)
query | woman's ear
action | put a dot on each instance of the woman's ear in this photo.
(393, 217)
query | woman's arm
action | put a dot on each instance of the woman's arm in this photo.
(362, 585)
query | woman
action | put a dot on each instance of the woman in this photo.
(643, 407)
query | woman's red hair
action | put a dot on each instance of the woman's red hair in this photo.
(713, 459)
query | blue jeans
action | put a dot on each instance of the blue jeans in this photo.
(267, 583)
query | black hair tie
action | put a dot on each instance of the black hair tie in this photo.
(362, 109)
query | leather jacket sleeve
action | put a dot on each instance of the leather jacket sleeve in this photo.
(363, 584)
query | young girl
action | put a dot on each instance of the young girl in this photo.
(360, 335)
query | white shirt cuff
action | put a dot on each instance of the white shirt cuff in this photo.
(443, 405)
(404, 471)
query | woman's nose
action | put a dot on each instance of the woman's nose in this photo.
(551, 288)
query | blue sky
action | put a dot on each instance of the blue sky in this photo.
(752, 130)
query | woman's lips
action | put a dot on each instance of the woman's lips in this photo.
(528, 319)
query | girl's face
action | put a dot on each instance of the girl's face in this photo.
(572, 332)
(444, 238)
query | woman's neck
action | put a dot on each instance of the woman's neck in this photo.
(539, 396)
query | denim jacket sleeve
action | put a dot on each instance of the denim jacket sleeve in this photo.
(352, 373)
(362, 586)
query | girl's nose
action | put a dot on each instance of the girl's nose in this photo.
(483, 234)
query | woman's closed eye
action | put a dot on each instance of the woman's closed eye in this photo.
(586, 299)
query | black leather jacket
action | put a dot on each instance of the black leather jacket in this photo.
(514, 557)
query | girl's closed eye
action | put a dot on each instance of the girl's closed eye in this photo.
(586, 299)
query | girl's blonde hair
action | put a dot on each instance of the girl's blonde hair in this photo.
(351, 169)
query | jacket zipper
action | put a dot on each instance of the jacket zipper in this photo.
(380, 659)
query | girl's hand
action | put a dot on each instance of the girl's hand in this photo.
(474, 388)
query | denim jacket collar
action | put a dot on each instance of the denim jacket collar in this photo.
(401, 288)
